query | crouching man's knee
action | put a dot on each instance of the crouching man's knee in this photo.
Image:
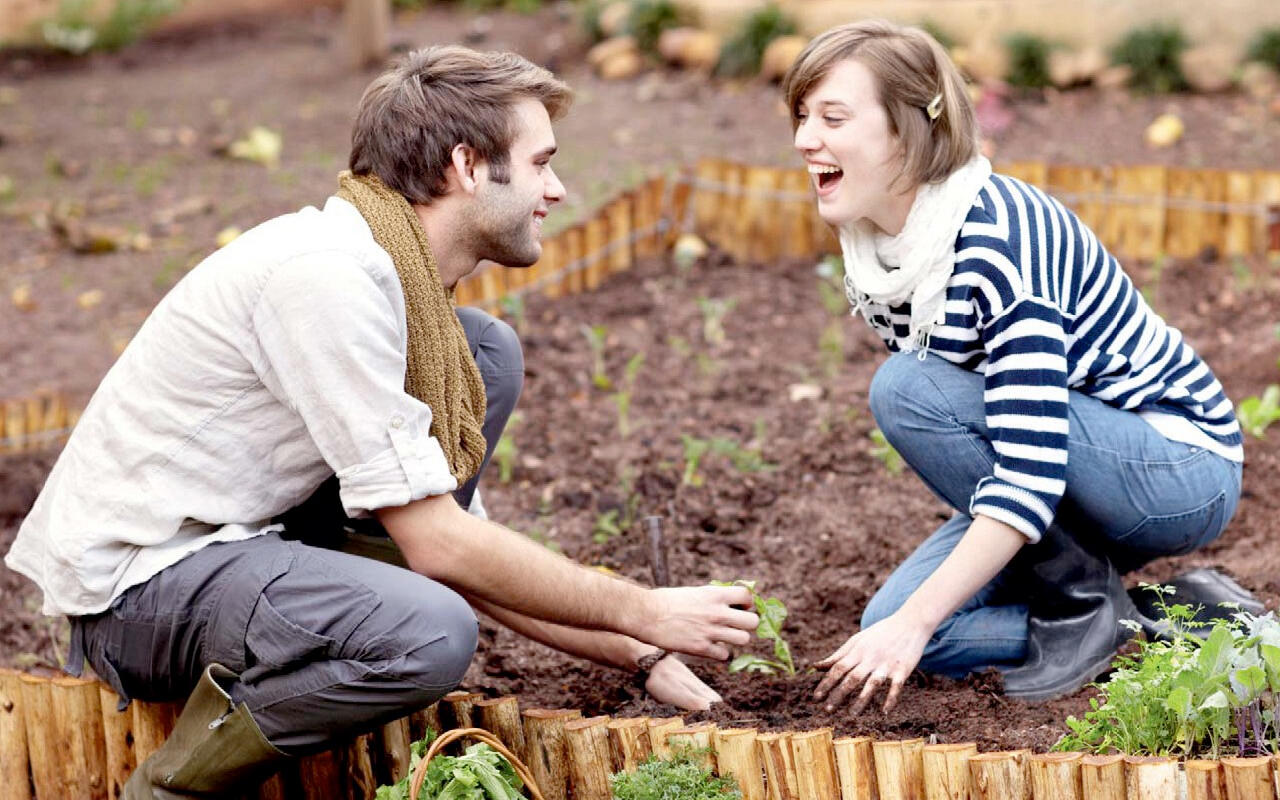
(438, 647)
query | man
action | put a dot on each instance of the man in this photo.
(323, 345)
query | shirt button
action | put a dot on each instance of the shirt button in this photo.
(397, 421)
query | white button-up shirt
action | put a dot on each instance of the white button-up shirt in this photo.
(278, 361)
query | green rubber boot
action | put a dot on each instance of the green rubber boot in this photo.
(215, 747)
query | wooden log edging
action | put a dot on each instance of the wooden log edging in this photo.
(63, 738)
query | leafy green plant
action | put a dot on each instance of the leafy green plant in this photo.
(742, 54)
(694, 450)
(1265, 47)
(648, 19)
(622, 397)
(772, 613)
(1028, 60)
(714, 310)
(597, 336)
(513, 306)
(884, 452)
(830, 271)
(617, 521)
(504, 452)
(1154, 53)
(75, 28)
(744, 459)
(831, 348)
(1199, 690)
(1257, 413)
(678, 778)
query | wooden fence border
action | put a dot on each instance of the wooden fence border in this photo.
(62, 739)
(761, 213)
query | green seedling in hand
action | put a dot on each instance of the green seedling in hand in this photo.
(772, 614)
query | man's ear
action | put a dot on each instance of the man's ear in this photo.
(463, 159)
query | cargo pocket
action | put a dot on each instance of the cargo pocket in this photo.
(275, 642)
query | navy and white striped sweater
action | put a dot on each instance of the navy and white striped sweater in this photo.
(1037, 305)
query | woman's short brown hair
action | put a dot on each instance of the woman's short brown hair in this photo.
(910, 69)
(414, 114)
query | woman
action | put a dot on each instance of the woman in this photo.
(1074, 432)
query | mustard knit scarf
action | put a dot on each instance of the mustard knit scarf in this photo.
(441, 370)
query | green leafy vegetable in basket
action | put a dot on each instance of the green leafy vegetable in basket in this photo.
(480, 773)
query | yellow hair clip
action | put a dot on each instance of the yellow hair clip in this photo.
(934, 109)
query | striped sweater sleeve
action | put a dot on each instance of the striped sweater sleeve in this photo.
(1025, 399)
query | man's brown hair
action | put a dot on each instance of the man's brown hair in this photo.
(911, 70)
(414, 114)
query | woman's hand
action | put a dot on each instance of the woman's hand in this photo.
(671, 682)
(884, 653)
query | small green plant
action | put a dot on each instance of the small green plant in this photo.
(1257, 413)
(1265, 47)
(1154, 53)
(597, 338)
(1202, 689)
(939, 34)
(694, 450)
(714, 310)
(743, 53)
(831, 348)
(504, 452)
(744, 459)
(677, 778)
(513, 306)
(480, 773)
(617, 521)
(772, 613)
(830, 271)
(1028, 60)
(884, 452)
(622, 397)
(75, 28)
(648, 19)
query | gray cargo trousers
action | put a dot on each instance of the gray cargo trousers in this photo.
(327, 644)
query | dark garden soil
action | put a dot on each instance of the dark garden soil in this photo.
(129, 141)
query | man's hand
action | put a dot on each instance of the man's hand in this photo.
(698, 620)
(883, 654)
(673, 683)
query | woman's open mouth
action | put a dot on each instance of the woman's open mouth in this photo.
(826, 178)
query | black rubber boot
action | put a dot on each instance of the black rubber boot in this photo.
(1214, 595)
(1076, 603)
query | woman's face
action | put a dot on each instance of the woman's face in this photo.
(843, 134)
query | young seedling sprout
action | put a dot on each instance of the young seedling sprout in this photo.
(772, 614)
(596, 339)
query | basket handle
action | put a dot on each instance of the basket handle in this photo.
(420, 774)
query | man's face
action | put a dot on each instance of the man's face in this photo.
(508, 215)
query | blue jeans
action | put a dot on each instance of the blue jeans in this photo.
(1132, 495)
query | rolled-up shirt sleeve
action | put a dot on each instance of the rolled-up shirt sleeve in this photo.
(333, 350)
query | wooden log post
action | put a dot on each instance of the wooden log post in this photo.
(696, 741)
(78, 726)
(1204, 780)
(1240, 224)
(758, 217)
(658, 730)
(15, 768)
(1266, 195)
(899, 768)
(1150, 777)
(390, 751)
(779, 772)
(546, 753)
(813, 756)
(117, 729)
(1248, 778)
(366, 29)
(587, 743)
(629, 743)
(546, 273)
(855, 765)
(15, 427)
(501, 717)
(1080, 189)
(422, 721)
(621, 248)
(1142, 190)
(946, 770)
(796, 217)
(357, 781)
(575, 260)
(493, 287)
(1194, 221)
(708, 196)
(646, 217)
(737, 757)
(460, 709)
(152, 723)
(999, 776)
(595, 244)
(1035, 173)
(320, 775)
(44, 751)
(1056, 776)
(678, 208)
(1102, 777)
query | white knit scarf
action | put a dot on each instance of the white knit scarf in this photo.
(916, 264)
